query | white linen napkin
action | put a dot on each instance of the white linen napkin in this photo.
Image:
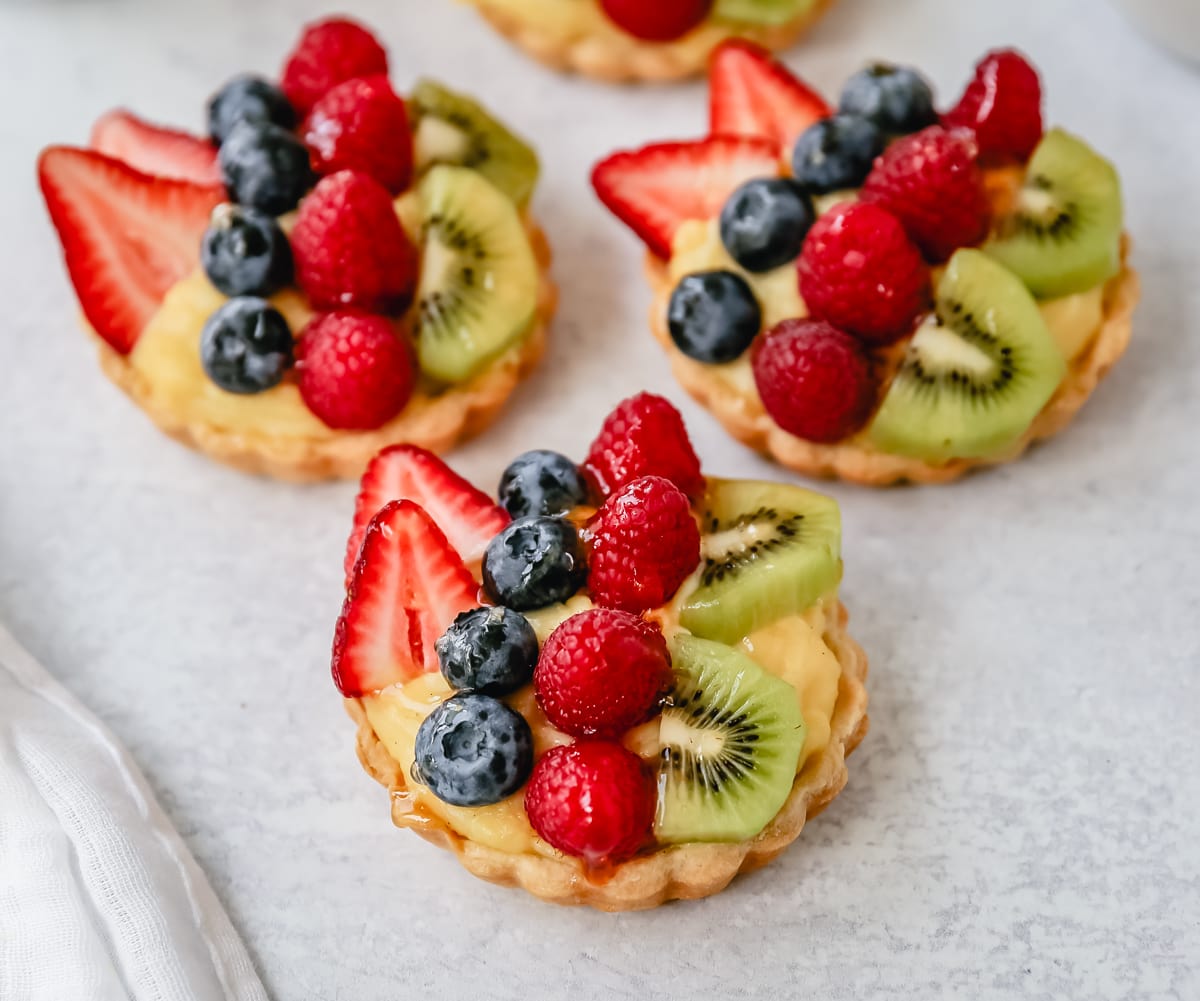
(100, 900)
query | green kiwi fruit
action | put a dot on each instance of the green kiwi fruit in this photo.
(451, 128)
(767, 550)
(731, 738)
(760, 11)
(976, 372)
(479, 279)
(1063, 232)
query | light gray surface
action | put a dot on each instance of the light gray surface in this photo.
(1021, 822)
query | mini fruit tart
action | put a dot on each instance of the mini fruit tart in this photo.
(881, 293)
(634, 40)
(624, 684)
(333, 269)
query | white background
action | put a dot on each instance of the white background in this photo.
(1023, 820)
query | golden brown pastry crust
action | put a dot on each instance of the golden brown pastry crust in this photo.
(677, 872)
(433, 422)
(629, 60)
(742, 413)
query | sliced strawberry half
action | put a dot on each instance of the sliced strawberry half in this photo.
(468, 516)
(127, 237)
(408, 586)
(751, 94)
(655, 189)
(155, 150)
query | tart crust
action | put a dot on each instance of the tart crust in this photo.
(742, 413)
(630, 60)
(433, 422)
(676, 872)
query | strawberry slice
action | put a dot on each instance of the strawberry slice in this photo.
(655, 189)
(408, 586)
(155, 150)
(405, 472)
(127, 237)
(751, 94)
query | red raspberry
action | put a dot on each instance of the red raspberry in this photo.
(1002, 105)
(814, 380)
(643, 436)
(601, 672)
(660, 21)
(355, 371)
(329, 52)
(594, 800)
(350, 249)
(932, 184)
(859, 270)
(362, 125)
(644, 544)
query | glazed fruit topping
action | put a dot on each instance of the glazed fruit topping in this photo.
(490, 650)
(644, 545)
(534, 562)
(330, 51)
(245, 252)
(541, 482)
(1002, 105)
(764, 222)
(153, 149)
(713, 316)
(895, 99)
(594, 800)
(836, 153)
(643, 436)
(356, 373)
(661, 21)
(247, 98)
(246, 346)
(265, 167)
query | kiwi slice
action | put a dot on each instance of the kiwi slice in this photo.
(731, 738)
(976, 372)
(1063, 232)
(479, 279)
(451, 128)
(768, 550)
(760, 11)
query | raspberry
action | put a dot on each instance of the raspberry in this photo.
(860, 271)
(594, 800)
(814, 380)
(355, 371)
(643, 436)
(329, 52)
(601, 672)
(350, 249)
(660, 21)
(932, 184)
(362, 125)
(1003, 106)
(644, 544)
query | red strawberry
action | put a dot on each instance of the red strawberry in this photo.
(594, 800)
(645, 543)
(362, 125)
(406, 472)
(1002, 105)
(654, 189)
(752, 94)
(408, 586)
(815, 381)
(350, 248)
(127, 237)
(329, 52)
(643, 436)
(155, 150)
(932, 184)
(660, 21)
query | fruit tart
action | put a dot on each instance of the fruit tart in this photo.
(633, 40)
(624, 684)
(881, 292)
(333, 269)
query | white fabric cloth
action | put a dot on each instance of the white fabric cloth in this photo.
(100, 899)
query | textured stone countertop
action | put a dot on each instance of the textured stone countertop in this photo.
(1023, 820)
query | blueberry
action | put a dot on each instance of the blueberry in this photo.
(247, 99)
(713, 316)
(244, 252)
(836, 153)
(896, 99)
(536, 561)
(490, 650)
(473, 750)
(541, 482)
(246, 346)
(764, 222)
(265, 166)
